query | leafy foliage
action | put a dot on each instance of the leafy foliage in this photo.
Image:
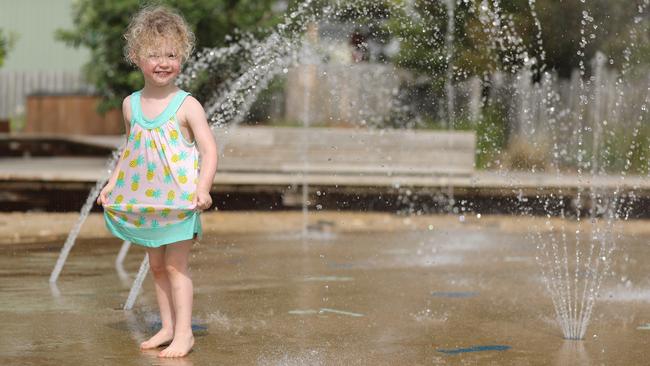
(6, 41)
(99, 26)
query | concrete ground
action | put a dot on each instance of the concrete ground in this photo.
(34, 227)
(359, 289)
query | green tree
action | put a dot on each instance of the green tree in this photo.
(6, 41)
(610, 27)
(99, 25)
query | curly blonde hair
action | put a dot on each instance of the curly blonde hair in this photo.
(153, 23)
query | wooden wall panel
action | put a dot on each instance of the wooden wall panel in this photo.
(70, 114)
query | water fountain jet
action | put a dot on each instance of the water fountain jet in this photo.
(564, 263)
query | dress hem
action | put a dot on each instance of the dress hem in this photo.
(157, 237)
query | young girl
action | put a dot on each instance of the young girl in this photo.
(156, 193)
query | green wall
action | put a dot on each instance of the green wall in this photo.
(34, 23)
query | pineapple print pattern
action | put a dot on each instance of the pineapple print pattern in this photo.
(137, 162)
(153, 193)
(151, 169)
(170, 198)
(168, 175)
(173, 137)
(135, 182)
(129, 206)
(182, 175)
(179, 157)
(157, 177)
(138, 141)
(120, 179)
(186, 196)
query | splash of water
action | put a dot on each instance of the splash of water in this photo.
(573, 270)
(572, 274)
(310, 69)
(449, 46)
(85, 210)
(137, 283)
(119, 260)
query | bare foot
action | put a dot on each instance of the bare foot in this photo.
(163, 336)
(180, 346)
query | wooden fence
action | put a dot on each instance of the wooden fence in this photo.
(70, 114)
(16, 85)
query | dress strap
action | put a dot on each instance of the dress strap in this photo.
(176, 103)
(166, 115)
(136, 113)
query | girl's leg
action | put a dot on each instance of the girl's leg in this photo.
(176, 259)
(164, 297)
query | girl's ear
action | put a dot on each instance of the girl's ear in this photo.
(137, 61)
(136, 58)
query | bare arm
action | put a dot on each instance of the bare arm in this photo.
(196, 119)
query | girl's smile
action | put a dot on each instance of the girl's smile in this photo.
(163, 75)
(160, 67)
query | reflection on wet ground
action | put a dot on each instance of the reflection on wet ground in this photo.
(469, 296)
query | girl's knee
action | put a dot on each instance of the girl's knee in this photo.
(173, 268)
(158, 269)
(156, 261)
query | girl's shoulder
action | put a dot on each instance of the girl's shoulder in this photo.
(126, 102)
(190, 102)
(126, 108)
(190, 108)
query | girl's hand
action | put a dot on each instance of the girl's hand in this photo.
(103, 195)
(202, 200)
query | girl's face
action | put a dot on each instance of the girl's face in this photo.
(160, 64)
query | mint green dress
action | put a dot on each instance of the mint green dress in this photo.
(151, 204)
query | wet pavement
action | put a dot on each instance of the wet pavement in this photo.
(455, 296)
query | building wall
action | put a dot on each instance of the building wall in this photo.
(34, 22)
(37, 62)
